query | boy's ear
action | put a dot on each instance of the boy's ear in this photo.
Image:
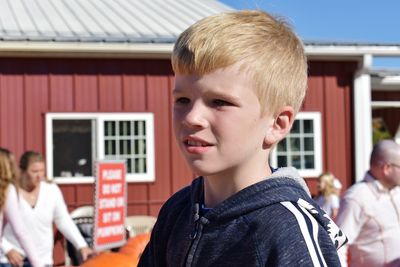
(280, 127)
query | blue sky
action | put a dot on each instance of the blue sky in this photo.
(360, 21)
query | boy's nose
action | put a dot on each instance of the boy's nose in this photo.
(196, 116)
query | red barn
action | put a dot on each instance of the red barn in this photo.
(80, 82)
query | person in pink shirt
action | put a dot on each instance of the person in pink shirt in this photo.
(9, 209)
(369, 213)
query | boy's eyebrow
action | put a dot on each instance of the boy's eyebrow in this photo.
(215, 94)
(176, 90)
(221, 94)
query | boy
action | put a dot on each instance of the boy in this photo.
(240, 79)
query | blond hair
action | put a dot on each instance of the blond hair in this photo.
(328, 179)
(264, 45)
(6, 177)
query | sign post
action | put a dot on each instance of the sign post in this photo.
(110, 205)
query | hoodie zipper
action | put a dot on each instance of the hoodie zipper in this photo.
(195, 234)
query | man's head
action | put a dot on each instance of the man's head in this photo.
(385, 163)
(264, 46)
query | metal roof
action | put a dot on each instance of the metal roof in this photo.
(114, 21)
(127, 28)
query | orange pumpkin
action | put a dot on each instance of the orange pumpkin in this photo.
(135, 245)
(108, 259)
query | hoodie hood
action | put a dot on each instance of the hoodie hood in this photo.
(284, 186)
(291, 173)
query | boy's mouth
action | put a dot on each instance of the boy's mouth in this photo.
(195, 143)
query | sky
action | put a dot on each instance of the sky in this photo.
(368, 21)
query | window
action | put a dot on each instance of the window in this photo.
(302, 147)
(74, 141)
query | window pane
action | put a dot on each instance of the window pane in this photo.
(309, 144)
(140, 130)
(125, 147)
(140, 147)
(282, 145)
(109, 128)
(295, 144)
(72, 148)
(282, 161)
(110, 147)
(124, 128)
(144, 147)
(296, 127)
(140, 165)
(296, 162)
(309, 162)
(308, 126)
(129, 163)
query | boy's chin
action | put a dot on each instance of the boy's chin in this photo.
(200, 170)
(206, 166)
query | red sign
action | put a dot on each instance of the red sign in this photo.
(110, 208)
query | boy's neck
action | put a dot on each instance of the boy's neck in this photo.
(217, 188)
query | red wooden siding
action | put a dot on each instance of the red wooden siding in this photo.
(32, 87)
(29, 88)
(330, 92)
(11, 110)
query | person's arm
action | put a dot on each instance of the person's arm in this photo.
(300, 236)
(350, 220)
(15, 258)
(66, 225)
(13, 216)
(6, 245)
(335, 201)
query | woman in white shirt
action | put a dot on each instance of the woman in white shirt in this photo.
(9, 208)
(42, 204)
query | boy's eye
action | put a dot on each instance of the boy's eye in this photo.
(182, 100)
(220, 103)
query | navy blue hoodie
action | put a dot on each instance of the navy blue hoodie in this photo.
(271, 223)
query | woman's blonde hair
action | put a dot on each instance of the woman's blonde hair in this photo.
(6, 177)
(328, 179)
(265, 46)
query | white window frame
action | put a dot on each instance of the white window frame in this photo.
(98, 135)
(316, 117)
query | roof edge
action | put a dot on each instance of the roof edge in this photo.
(96, 50)
(352, 50)
(163, 50)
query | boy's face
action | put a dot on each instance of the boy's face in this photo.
(218, 122)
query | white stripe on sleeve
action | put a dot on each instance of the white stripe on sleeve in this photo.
(315, 233)
(304, 231)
